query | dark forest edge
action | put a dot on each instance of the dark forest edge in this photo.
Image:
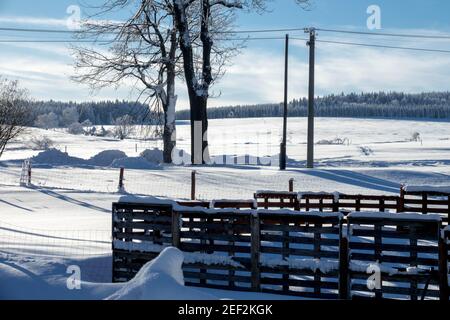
(429, 105)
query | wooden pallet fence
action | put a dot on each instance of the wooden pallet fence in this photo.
(446, 262)
(404, 248)
(426, 201)
(326, 202)
(311, 254)
(299, 253)
(277, 200)
(139, 233)
(219, 234)
(345, 203)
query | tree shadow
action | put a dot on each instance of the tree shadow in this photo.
(355, 179)
(16, 206)
(71, 200)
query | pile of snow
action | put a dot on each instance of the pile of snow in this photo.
(106, 158)
(132, 163)
(160, 279)
(153, 155)
(56, 157)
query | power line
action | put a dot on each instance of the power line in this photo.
(262, 30)
(401, 35)
(37, 30)
(236, 39)
(381, 46)
(107, 41)
(404, 35)
(54, 41)
(113, 40)
(90, 31)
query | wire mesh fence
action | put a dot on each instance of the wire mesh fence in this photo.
(172, 182)
(88, 249)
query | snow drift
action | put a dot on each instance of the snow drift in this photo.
(56, 157)
(160, 279)
(149, 159)
(153, 155)
(106, 158)
(133, 163)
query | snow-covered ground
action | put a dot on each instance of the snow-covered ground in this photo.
(64, 219)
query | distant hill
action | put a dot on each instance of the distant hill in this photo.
(429, 105)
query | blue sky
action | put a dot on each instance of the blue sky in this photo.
(256, 75)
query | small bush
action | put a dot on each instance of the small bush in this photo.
(75, 128)
(416, 137)
(41, 143)
(367, 151)
(335, 141)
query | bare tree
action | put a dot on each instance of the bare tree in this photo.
(13, 111)
(123, 127)
(203, 60)
(144, 49)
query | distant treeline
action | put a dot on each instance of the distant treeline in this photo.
(432, 105)
(62, 114)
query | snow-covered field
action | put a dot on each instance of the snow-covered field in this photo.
(64, 219)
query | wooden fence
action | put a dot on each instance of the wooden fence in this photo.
(407, 250)
(310, 254)
(424, 202)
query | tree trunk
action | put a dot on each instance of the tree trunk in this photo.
(169, 131)
(197, 100)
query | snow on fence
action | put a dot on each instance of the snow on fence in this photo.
(309, 254)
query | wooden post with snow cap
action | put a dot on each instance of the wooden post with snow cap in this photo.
(121, 176)
(291, 185)
(193, 181)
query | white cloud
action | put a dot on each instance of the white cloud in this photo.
(256, 75)
(24, 20)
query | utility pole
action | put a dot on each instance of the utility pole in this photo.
(285, 111)
(311, 43)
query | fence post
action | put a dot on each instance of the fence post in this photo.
(255, 250)
(336, 204)
(29, 173)
(121, 175)
(193, 178)
(401, 200)
(176, 229)
(291, 185)
(343, 265)
(443, 270)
